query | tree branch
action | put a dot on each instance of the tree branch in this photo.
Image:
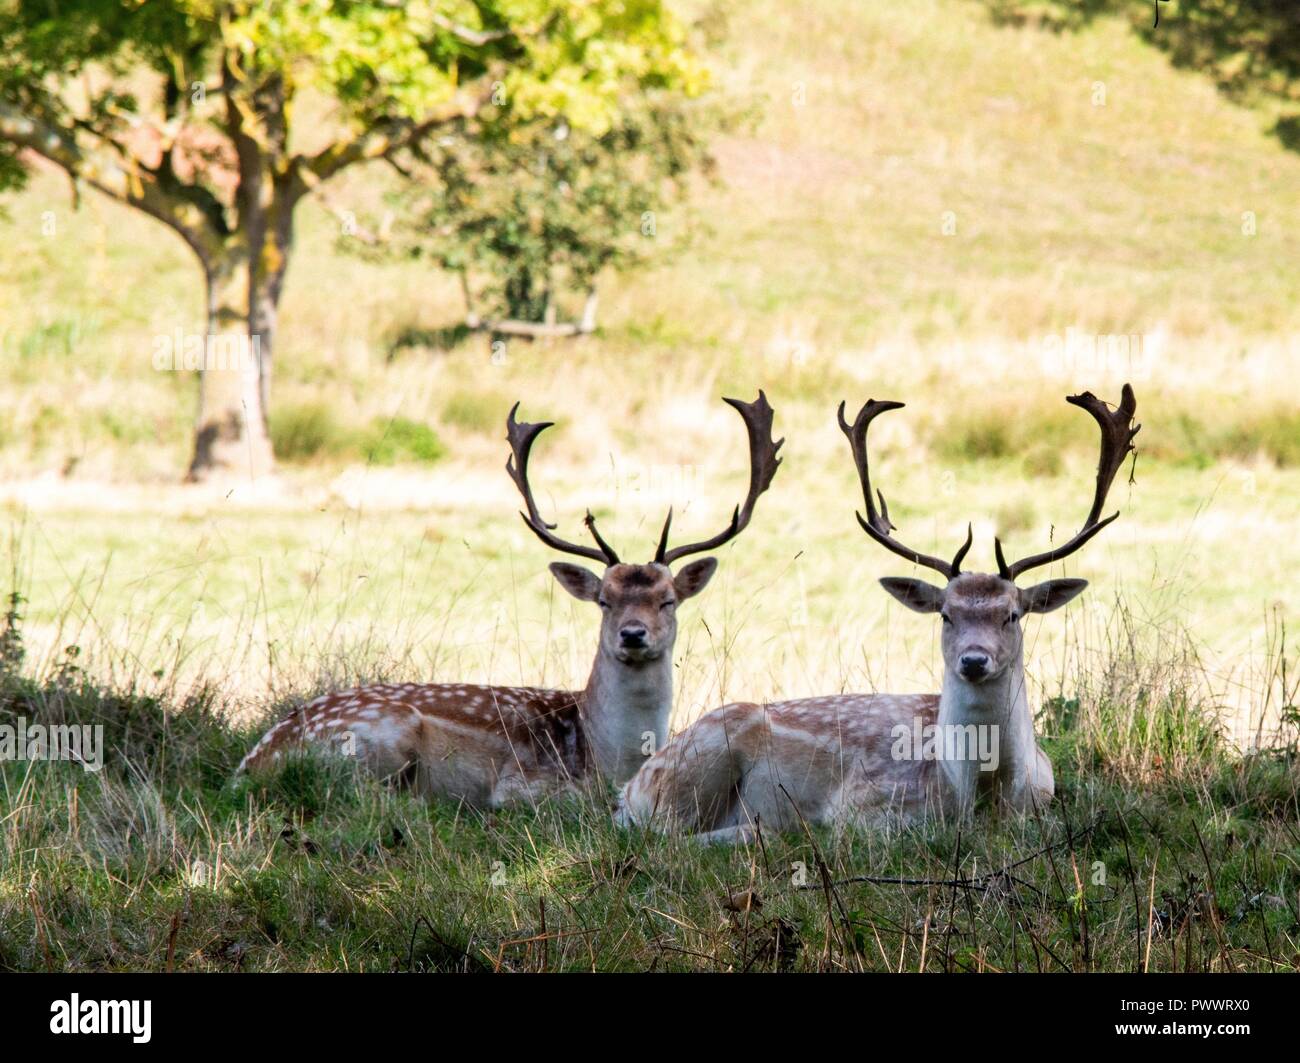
(478, 38)
(386, 138)
(461, 32)
(135, 186)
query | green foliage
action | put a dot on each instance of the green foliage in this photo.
(312, 432)
(476, 411)
(390, 440)
(307, 431)
(1250, 49)
(1057, 15)
(378, 61)
(13, 174)
(12, 650)
(531, 214)
(186, 109)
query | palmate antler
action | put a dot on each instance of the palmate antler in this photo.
(763, 462)
(521, 435)
(877, 523)
(1117, 432)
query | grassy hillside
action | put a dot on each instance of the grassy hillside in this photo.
(819, 270)
(930, 208)
(823, 244)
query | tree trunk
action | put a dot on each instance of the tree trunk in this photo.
(588, 322)
(274, 243)
(231, 439)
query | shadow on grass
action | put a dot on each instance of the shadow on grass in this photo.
(1163, 851)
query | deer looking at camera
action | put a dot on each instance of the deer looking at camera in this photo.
(863, 757)
(489, 745)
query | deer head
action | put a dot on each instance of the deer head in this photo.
(981, 613)
(638, 602)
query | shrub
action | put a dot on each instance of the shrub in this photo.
(1276, 434)
(391, 440)
(474, 411)
(301, 433)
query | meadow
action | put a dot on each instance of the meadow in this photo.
(928, 207)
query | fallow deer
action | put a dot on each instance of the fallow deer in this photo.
(489, 745)
(867, 758)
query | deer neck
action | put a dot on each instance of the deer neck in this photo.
(992, 721)
(626, 711)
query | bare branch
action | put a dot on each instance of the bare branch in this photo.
(478, 38)
(383, 139)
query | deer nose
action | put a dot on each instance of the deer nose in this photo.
(632, 636)
(974, 665)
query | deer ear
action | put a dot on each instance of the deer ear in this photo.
(916, 594)
(582, 583)
(1050, 594)
(694, 577)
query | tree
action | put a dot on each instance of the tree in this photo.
(1250, 49)
(186, 110)
(534, 212)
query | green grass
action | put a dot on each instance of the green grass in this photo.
(1275, 433)
(824, 266)
(400, 439)
(301, 433)
(1165, 849)
(313, 432)
(472, 411)
(161, 861)
(391, 548)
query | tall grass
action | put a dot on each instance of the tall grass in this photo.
(182, 622)
(163, 861)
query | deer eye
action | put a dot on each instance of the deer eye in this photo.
(946, 618)
(1009, 620)
(602, 603)
(668, 604)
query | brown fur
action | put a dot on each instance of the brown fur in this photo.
(780, 765)
(488, 745)
(509, 738)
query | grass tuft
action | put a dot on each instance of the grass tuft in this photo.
(312, 432)
(308, 432)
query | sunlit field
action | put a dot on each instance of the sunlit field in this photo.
(979, 244)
